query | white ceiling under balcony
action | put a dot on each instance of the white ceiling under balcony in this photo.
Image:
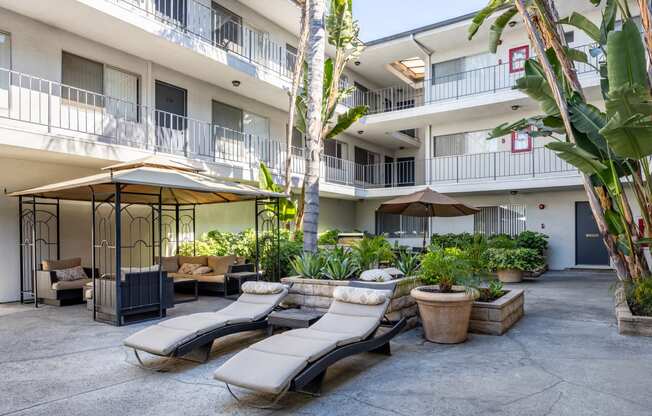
(284, 13)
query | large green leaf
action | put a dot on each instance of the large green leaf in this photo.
(626, 57)
(581, 22)
(496, 29)
(608, 20)
(629, 127)
(576, 55)
(538, 89)
(483, 14)
(580, 158)
(589, 120)
(345, 120)
(614, 222)
(287, 207)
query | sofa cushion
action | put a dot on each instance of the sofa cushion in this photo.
(188, 268)
(262, 288)
(169, 264)
(220, 264)
(192, 260)
(49, 265)
(70, 284)
(208, 278)
(153, 268)
(359, 295)
(202, 270)
(73, 273)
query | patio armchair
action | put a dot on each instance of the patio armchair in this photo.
(297, 360)
(180, 336)
(53, 291)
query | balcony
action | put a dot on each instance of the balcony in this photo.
(207, 25)
(452, 87)
(55, 109)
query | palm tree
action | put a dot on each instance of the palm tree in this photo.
(316, 50)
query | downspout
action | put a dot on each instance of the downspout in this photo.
(428, 129)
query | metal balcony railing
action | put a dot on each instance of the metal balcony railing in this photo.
(212, 26)
(452, 87)
(68, 111)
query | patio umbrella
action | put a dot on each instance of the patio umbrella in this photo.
(426, 203)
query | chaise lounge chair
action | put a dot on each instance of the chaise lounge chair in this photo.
(297, 360)
(179, 336)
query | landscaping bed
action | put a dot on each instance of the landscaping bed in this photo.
(317, 294)
(498, 316)
(628, 323)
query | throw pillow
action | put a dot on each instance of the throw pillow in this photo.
(73, 273)
(202, 270)
(359, 295)
(262, 288)
(188, 268)
(375, 275)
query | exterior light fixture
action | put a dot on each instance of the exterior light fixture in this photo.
(512, 23)
(542, 206)
(235, 83)
(360, 131)
(515, 107)
(357, 63)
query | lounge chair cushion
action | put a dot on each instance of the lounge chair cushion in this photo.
(359, 326)
(158, 339)
(198, 322)
(296, 346)
(70, 284)
(260, 371)
(49, 265)
(238, 312)
(262, 288)
(338, 338)
(359, 295)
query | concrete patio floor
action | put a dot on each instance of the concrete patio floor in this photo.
(564, 358)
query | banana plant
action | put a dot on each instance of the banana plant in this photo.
(287, 207)
(612, 148)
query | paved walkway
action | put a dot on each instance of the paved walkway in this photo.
(564, 358)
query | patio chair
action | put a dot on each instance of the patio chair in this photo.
(297, 360)
(177, 337)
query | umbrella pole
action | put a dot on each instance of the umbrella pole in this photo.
(425, 228)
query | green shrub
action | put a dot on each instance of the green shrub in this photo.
(328, 238)
(525, 259)
(308, 265)
(408, 263)
(501, 241)
(370, 251)
(493, 291)
(533, 240)
(337, 268)
(444, 267)
(461, 240)
(639, 296)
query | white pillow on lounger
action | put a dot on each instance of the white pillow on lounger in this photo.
(359, 295)
(262, 288)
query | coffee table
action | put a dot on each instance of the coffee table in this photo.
(292, 318)
(186, 281)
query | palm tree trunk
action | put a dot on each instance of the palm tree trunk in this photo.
(316, 50)
(296, 81)
(535, 37)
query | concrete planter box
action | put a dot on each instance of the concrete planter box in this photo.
(628, 323)
(497, 317)
(317, 294)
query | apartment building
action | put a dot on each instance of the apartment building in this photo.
(88, 83)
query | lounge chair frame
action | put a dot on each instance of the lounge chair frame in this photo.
(311, 378)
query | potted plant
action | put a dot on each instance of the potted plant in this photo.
(510, 263)
(445, 302)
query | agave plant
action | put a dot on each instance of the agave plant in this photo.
(408, 263)
(308, 265)
(339, 269)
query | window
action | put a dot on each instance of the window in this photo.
(227, 116)
(449, 145)
(517, 58)
(569, 36)
(93, 80)
(504, 219)
(458, 69)
(290, 56)
(297, 142)
(521, 141)
(368, 172)
(255, 125)
(399, 226)
(226, 26)
(336, 148)
(344, 82)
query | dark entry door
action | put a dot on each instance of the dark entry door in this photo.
(589, 247)
(389, 170)
(171, 123)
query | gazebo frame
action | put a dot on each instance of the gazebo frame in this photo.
(127, 222)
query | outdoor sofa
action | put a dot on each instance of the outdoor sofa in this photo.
(214, 280)
(54, 291)
(297, 360)
(177, 337)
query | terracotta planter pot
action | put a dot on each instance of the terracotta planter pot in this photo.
(510, 276)
(445, 316)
